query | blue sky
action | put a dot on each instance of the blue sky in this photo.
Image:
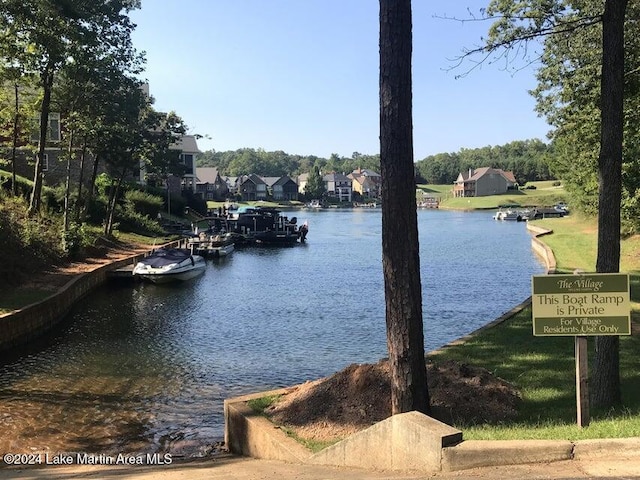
(302, 76)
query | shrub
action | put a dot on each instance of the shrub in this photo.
(134, 222)
(74, 240)
(143, 202)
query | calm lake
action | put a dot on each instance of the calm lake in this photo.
(142, 368)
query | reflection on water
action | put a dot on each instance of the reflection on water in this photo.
(145, 368)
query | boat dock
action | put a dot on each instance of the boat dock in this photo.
(122, 272)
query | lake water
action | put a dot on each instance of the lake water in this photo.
(139, 367)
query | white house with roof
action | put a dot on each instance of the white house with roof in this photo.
(188, 147)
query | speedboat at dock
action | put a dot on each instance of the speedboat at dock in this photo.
(169, 264)
(212, 244)
(509, 215)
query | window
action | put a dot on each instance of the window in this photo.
(187, 159)
(53, 133)
(54, 127)
(45, 162)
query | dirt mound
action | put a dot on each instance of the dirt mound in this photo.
(360, 395)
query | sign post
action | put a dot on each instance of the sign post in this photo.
(581, 305)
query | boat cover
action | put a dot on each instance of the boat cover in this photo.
(166, 256)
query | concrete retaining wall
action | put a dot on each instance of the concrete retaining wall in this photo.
(20, 326)
(411, 441)
(541, 248)
(406, 442)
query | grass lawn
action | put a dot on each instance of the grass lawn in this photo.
(543, 368)
(545, 194)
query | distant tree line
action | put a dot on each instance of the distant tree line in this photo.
(527, 159)
(275, 164)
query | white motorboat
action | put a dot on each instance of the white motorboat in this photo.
(508, 215)
(214, 245)
(169, 264)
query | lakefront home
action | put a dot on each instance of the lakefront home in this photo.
(366, 182)
(251, 188)
(210, 185)
(281, 188)
(482, 182)
(338, 186)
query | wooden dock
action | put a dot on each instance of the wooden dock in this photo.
(122, 272)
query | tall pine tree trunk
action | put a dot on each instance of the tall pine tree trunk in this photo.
(400, 250)
(91, 188)
(76, 214)
(14, 143)
(605, 385)
(36, 193)
(67, 184)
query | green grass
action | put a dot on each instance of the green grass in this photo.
(259, 405)
(543, 369)
(545, 194)
(575, 244)
(314, 445)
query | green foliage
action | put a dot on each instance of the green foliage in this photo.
(527, 159)
(24, 185)
(144, 203)
(134, 222)
(29, 243)
(276, 164)
(568, 95)
(74, 239)
(315, 187)
(259, 405)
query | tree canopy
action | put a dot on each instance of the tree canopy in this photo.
(587, 81)
(528, 159)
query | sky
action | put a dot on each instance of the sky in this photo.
(302, 76)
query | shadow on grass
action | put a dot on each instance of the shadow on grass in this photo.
(429, 190)
(634, 285)
(543, 369)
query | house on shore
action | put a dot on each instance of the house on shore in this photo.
(338, 186)
(281, 188)
(251, 188)
(483, 181)
(210, 185)
(366, 182)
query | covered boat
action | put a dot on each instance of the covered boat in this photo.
(169, 264)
